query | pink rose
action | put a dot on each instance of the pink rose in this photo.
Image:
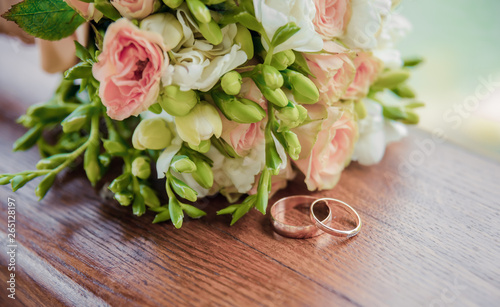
(243, 137)
(134, 9)
(86, 10)
(367, 69)
(332, 17)
(334, 73)
(331, 151)
(129, 69)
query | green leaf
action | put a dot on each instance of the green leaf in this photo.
(300, 64)
(162, 217)
(192, 211)
(46, 19)
(79, 71)
(249, 21)
(284, 33)
(82, 53)
(107, 9)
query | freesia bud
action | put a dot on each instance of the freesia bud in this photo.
(302, 113)
(44, 185)
(392, 78)
(182, 164)
(173, 4)
(124, 198)
(283, 59)
(303, 89)
(242, 111)
(91, 163)
(167, 26)
(200, 124)
(152, 133)
(272, 77)
(231, 83)
(360, 109)
(277, 97)
(203, 174)
(199, 11)
(52, 161)
(120, 183)
(141, 168)
(114, 147)
(211, 32)
(289, 117)
(204, 146)
(149, 195)
(244, 39)
(293, 147)
(176, 102)
(183, 190)
(77, 119)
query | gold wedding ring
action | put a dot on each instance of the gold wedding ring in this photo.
(312, 226)
(330, 202)
(284, 207)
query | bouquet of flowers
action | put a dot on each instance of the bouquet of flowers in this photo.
(217, 96)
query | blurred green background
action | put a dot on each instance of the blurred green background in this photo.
(460, 41)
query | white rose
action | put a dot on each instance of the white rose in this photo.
(394, 28)
(276, 13)
(167, 26)
(365, 23)
(198, 64)
(375, 133)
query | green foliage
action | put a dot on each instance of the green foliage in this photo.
(46, 19)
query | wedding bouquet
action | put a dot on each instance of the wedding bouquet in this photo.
(217, 96)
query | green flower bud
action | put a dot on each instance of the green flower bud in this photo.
(155, 108)
(272, 77)
(303, 89)
(203, 174)
(120, 183)
(124, 198)
(173, 4)
(28, 139)
(199, 11)
(138, 206)
(276, 97)
(392, 78)
(211, 32)
(104, 159)
(200, 124)
(283, 59)
(152, 133)
(263, 191)
(411, 118)
(244, 39)
(289, 117)
(360, 109)
(149, 195)
(176, 102)
(5, 179)
(183, 190)
(176, 213)
(404, 91)
(19, 181)
(78, 118)
(91, 163)
(293, 146)
(162, 217)
(52, 161)
(302, 113)
(141, 168)
(114, 148)
(212, 2)
(231, 83)
(182, 164)
(44, 185)
(242, 111)
(203, 147)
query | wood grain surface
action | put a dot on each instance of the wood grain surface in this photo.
(431, 214)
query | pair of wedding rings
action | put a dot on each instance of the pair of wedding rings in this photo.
(317, 226)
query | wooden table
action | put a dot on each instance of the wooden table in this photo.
(430, 237)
